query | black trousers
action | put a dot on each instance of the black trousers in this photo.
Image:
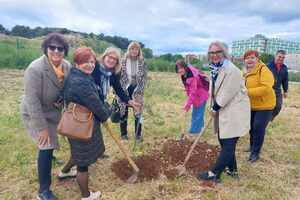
(259, 122)
(278, 106)
(44, 169)
(226, 157)
(124, 119)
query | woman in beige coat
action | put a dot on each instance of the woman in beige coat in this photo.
(230, 109)
(43, 81)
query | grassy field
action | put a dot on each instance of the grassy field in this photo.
(275, 177)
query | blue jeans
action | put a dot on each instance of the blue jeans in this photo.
(197, 121)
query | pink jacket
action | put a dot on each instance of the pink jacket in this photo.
(195, 91)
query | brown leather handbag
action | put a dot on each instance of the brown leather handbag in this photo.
(76, 122)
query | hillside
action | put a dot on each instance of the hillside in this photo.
(18, 52)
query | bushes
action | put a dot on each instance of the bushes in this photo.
(17, 53)
(161, 65)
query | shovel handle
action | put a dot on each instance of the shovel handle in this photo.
(196, 142)
(124, 151)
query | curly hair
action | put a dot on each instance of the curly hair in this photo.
(57, 38)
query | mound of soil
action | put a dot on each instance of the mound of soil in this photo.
(164, 161)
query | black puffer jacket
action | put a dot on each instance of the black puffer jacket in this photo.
(80, 88)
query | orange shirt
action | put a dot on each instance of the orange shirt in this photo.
(58, 72)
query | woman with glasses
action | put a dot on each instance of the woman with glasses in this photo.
(43, 80)
(230, 109)
(107, 73)
(259, 82)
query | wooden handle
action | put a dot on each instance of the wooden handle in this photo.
(195, 142)
(124, 151)
(184, 123)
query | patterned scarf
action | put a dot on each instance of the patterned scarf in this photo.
(215, 67)
(104, 80)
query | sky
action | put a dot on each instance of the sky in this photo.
(165, 26)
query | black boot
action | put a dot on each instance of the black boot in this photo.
(253, 157)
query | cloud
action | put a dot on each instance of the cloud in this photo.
(164, 26)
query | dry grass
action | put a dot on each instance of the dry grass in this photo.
(276, 176)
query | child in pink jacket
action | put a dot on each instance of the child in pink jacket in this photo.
(196, 87)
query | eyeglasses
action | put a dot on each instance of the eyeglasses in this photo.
(215, 52)
(53, 48)
(112, 58)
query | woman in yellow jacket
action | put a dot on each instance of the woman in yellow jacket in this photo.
(259, 82)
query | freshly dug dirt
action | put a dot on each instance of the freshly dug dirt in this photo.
(163, 162)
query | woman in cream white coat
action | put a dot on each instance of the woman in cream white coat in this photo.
(230, 109)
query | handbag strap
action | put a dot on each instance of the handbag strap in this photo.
(80, 120)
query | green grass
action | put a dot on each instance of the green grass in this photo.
(275, 177)
(294, 76)
(18, 52)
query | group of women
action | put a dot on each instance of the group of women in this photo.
(240, 103)
(51, 82)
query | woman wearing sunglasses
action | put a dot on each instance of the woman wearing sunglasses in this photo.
(43, 81)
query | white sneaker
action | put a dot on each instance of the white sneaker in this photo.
(71, 174)
(93, 196)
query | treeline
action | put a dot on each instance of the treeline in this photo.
(166, 63)
(27, 32)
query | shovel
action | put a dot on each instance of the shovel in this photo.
(182, 134)
(133, 178)
(139, 123)
(181, 168)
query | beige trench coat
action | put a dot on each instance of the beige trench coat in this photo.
(231, 94)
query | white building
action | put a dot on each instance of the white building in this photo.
(293, 61)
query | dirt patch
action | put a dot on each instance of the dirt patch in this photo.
(163, 162)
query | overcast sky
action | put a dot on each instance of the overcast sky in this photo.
(174, 26)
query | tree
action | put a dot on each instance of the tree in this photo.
(167, 57)
(265, 57)
(147, 53)
(23, 31)
(3, 30)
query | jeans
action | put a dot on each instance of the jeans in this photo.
(197, 121)
(278, 106)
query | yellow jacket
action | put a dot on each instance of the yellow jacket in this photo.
(259, 83)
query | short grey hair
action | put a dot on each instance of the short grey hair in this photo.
(223, 46)
(283, 52)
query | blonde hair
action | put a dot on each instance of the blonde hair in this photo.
(135, 44)
(223, 46)
(117, 52)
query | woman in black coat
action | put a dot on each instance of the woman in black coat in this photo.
(80, 88)
(107, 74)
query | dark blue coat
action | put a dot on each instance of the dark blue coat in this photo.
(281, 78)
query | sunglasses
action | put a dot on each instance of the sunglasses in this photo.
(53, 48)
(215, 52)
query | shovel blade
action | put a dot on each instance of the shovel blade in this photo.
(181, 170)
(133, 178)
